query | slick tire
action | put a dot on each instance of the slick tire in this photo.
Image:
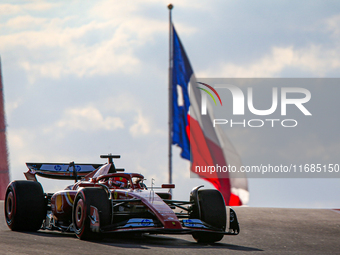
(25, 206)
(213, 212)
(86, 198)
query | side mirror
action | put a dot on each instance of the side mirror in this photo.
(168, 186)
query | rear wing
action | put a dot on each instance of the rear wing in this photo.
(61, 171)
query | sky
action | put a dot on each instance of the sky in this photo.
(85, 78)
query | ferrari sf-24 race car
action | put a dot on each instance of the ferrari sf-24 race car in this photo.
(105, 199)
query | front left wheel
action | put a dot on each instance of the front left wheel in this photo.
(81, 213)
(213, 212)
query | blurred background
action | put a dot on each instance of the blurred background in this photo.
(84, 78)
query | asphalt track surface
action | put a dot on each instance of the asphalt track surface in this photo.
(263, 231)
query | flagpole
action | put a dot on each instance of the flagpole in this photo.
(170, 7)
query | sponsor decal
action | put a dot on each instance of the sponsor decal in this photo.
(57, 167)
(146, 222)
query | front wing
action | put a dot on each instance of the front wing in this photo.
(189, 226)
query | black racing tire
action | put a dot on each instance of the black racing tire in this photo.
(212, 211)
(25, 206)
(86, 197)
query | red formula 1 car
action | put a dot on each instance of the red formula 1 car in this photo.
(104, 199)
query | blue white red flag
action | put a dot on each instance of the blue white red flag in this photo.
(201, 143)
